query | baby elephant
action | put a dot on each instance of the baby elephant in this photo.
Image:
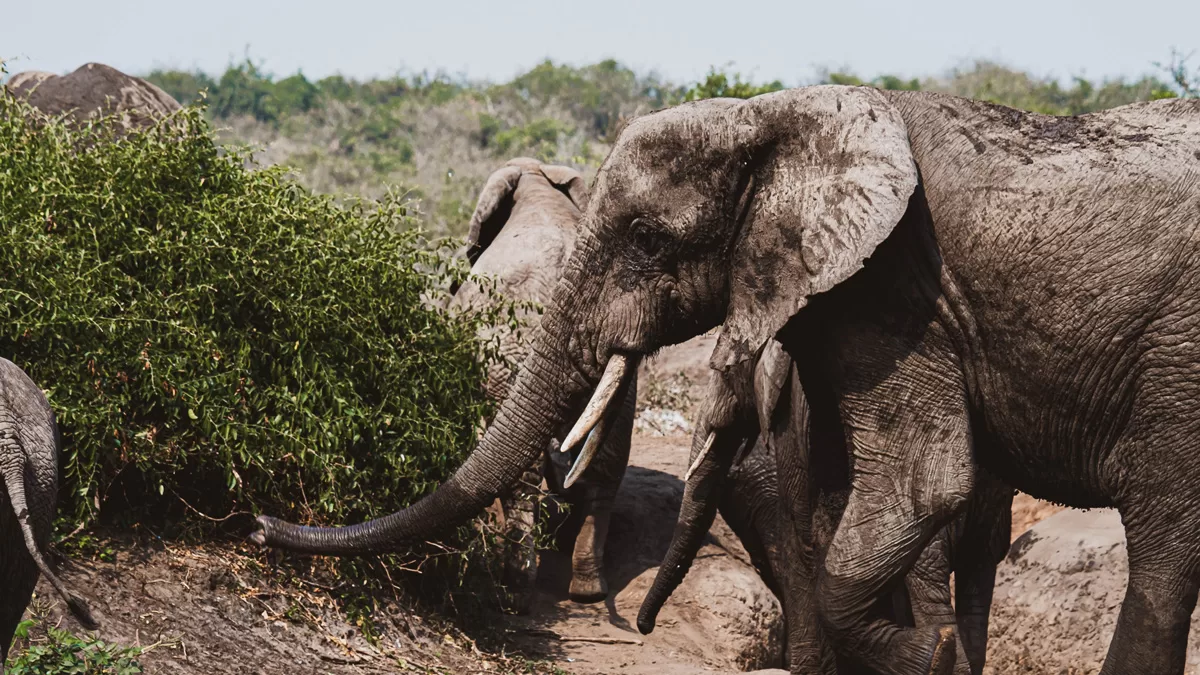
(29, 461)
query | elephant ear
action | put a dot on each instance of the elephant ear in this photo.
(569, 181)
(770, 375)
(832, 176)
(491, 211)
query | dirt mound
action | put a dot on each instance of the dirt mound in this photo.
(92, 89)
(1058, 594)
(206, 611)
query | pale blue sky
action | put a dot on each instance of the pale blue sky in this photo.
(680, 39)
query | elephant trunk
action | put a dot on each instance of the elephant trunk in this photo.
(537, 408)
(701, 494)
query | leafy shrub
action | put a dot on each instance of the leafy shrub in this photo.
(223, 335)
(992, 82)
(539, 138)
(596, 95)
(1185, 82)
(719, 84)
(182, 86)
(881, 82)
(60, 652)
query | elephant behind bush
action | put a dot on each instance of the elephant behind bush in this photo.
(521, 234)
(29, 463)
(94, 89)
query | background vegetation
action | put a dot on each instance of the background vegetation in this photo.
(437, 138)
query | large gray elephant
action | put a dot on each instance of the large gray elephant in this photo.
(521, 233)
(757, 458)
(1027, 305)
(29, 447)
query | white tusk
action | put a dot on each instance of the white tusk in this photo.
(614, 375)
(712, 437)
(594, 439)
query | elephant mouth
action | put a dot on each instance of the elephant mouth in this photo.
(598, 415)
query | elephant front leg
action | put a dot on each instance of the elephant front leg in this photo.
(587, 561)
(912, 474)
(597, 492)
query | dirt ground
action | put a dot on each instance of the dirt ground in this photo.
(206, 611)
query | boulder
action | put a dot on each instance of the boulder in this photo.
(94, 89)
(1058, 594)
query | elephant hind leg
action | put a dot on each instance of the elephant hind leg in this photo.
(1152, 628)
(20, 576)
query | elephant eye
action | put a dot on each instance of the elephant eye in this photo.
(649, 237)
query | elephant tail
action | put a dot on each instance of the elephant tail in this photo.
(14, 481)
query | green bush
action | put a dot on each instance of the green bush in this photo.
(539, 138)
(719, 84)
(60, 652)
(992, 82)
(222, 335)
(182, 86)
(881, 82)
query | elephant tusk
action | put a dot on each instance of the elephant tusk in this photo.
(708, 443)
(594, 439)
(616, 373)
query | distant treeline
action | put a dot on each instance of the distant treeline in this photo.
(601, 89)
(436, 138)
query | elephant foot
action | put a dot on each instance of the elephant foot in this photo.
(587, 589)
(921, 650)
(945, 654)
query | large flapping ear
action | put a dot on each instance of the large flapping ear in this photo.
(491, 211)
(833, 174)
(569, 181)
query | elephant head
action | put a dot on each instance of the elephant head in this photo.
(717, 211)
(496, 200)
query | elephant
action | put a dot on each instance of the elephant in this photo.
(753, 476)
(94, 89)
(29, 448)
(961, 285)
(521, 233)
